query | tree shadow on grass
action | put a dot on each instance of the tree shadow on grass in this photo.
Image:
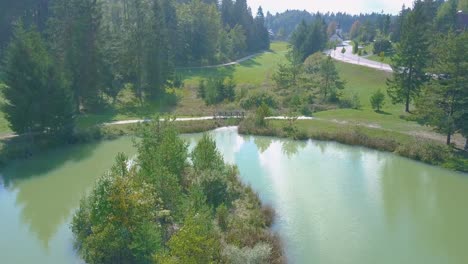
(380, 112)
(250, 63)
(226, 72)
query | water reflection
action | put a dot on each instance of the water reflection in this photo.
(291, 148)
(335, 203)
(363, 203)
(45, 196)
(262, 143)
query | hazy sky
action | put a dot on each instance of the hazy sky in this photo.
(350, 6)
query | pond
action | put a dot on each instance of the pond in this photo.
(334, 203)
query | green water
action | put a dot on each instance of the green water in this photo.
(334, 203)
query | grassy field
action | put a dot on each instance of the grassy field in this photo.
(251, 74)
(375, 57)
(256, 71)
(387, 60)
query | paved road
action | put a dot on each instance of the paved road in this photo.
(224, 64)
(349, 57)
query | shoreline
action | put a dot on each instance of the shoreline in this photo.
(418, 149)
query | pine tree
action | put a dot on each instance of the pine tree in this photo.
(227, 13)
(444, 102)
(36, 94)
(73, 30)
(309, 38)
(160, 65)
(261, 31)
(410, 61)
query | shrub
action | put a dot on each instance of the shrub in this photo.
(426, 151)
(355, 47)
(377, 100)
(260, 253)
(268, 214)
(382, 45)
(256, 99)
(216, 90)
(173, 96)
(262, 112)
(222, 214)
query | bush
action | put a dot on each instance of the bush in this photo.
(258, 254)
(256, 99)
(377, 100)
(355, 47)
(268, 214)
(382, 45)
(173, 96)
(354, 102)
(426, 151)
(262, 112)
(222, 214)
(216, 90)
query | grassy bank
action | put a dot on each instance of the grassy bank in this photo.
(413, 147)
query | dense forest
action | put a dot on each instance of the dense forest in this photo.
(90, 50)
(284, 24)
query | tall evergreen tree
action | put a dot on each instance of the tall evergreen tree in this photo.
(74, 29)
(36, 94)
(160, 65)
(309, 38)
(227, 13)
(410, 61)
(199, 25)
(446, 18)
(444, 102)
(263, 37)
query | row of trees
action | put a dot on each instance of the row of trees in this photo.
(98, 48)
(429, 69)
(315, 81)
(159, 208)
(284, 24)
(309, 38)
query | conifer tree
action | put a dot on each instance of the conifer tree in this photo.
(410, 61)
(37, 97)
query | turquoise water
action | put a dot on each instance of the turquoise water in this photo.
(334, 203)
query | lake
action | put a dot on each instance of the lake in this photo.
(334, 203)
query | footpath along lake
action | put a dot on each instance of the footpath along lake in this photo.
(334, 203)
